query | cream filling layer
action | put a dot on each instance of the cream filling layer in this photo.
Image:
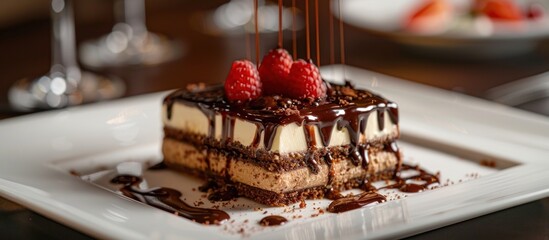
(288, 138)
(184, 154)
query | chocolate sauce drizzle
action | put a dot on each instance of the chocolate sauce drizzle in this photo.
(169, 200)
(356, 201)
(403, 184)
(346, 203)
(273, 220)
(423, 180)
(343, 108)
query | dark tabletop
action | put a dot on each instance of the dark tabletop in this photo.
(25, 52)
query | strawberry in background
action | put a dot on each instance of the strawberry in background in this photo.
(502, 10)
(431, 16)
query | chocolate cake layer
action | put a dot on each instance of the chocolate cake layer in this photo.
(239, 169)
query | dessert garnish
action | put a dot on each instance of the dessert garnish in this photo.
(278, 75)
(274, 70)
(243, 83)
(304, 81)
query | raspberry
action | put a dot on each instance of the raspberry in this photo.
(304, 81)
(274, 69)
(243, 82)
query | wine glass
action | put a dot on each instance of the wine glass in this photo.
(129, 42)
(65, 84)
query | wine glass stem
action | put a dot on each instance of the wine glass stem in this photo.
(63, 41)
(132, 12)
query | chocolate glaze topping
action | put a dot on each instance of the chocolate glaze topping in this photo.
(169, 200)
(343, 107)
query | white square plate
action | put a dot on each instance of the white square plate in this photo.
(441, 130)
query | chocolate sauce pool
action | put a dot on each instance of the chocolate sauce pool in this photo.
(353, 202)
(346, 203)
(169, 200)
(402, 183)
(273, 220)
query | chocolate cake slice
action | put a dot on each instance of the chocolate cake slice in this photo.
(278, 150)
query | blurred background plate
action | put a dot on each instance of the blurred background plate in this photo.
(462, 35)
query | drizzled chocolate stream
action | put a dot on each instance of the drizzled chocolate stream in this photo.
(343, 108)
(167, 199)
(256, 28)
